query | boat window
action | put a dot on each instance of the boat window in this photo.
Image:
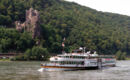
(61, 56)
(66, 56)
(76, 57)
(52, 61)
(83, 57)
(69, 62)
(73, 56)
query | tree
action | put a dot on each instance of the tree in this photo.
(36, 53)
(27, 55)
(39, 53)
(118, 55)
(25, 41)
(13, 41)
(121, 55)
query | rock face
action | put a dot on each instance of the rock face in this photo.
(19, 26)
(31, 24)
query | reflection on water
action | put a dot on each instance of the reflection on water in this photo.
(29, 71)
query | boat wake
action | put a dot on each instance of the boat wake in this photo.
(124, 66)
(48, 69)
(40, 70)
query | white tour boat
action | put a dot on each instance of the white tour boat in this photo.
(79, 60)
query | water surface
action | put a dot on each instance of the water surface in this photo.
(29, 71)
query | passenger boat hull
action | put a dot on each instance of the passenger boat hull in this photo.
(67, 68)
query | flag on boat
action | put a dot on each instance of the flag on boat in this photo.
(63, 45)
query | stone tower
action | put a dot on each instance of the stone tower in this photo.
(31, 23)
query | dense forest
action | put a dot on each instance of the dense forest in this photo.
(107, 33)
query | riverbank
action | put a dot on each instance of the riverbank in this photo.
(127, 58)
(5, 60)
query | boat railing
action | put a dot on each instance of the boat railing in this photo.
(58, 64)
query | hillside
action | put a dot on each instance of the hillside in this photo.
(106, 33)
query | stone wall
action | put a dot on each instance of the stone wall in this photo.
(31, 23)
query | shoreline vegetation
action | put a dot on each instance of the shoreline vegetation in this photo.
(36, 53)
(29, 56)
(128, 58)
(6, 60)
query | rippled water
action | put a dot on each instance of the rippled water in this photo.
(29, 71)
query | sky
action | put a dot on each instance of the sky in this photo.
(114, 6)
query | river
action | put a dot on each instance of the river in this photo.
(29, 71)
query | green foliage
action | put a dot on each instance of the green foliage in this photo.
(36, 53)
(121, 55)
(106, 33)
(12, 10)
(13, 41)
(26, 39)
(28, 54)
(18, 58)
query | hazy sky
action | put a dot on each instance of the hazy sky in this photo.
(115, 6)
